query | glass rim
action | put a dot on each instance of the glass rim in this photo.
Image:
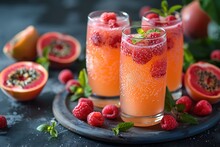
(140, 26)
(163, 21)
(122, 13)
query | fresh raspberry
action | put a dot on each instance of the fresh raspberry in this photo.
(70, 83)
(112, 23)
(106, 16)
(153, 35)
(152, 16)
(88, 101)
(3, 122)
(110, 111)
(95, 119)
(82, 110)
(158, 50)
(170, 43)
(170, 18)
(65, 75)
(202, 108)
(159, 68)
(125, 49)
(186, 101)
(142, 55)
(168, 122)
(115, 41)
(96, 39)
(215, 55)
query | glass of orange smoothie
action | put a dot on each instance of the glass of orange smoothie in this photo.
(104, 31)
(143, 66)
(174, 30)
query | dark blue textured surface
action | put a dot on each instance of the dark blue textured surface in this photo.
(67, 16)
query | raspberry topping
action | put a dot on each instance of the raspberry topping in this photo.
(88, 101)
(82, 110)
(142, 55)
(95, 119)
(65, 75)
(170, 18)
(168, 122)
(112, 23)
(185, 100)
(106, 16)
(152, 16)
(96, 39)
(110, 111)
(70, 83)
(202, 108)
(153, 35)
(3, 122)
(159, 68)
(215, 55)
(115, 41)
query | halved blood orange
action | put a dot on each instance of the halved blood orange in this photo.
(22, 47)
(23, 80)
(202, 82)
(63, 49)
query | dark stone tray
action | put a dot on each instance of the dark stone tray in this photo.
(62, 108)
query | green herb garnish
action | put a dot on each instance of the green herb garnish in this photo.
(49, 128)
(122, 127)
(44, 61)
(83, 90)
(177, 110)
(165, 11)
(141, 34)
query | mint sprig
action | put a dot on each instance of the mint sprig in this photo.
(177, 110)
(83, 90)
(44, 61)
(141, 34)
(122, 127)
(49, 128)
(165, 10)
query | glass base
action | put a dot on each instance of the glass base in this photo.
(177, 93)
(102, 101)
(142, 121)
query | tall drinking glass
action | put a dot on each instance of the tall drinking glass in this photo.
(174, 31)
(143, 65)
(104, 31)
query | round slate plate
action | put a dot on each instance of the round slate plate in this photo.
(62, 108)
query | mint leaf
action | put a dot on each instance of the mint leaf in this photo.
(87, 91)
(187, 118)
(122, 127)
(53, 133)
(169, 101)
(180, 107)
(164, 6)
(46, 51)
(76, 96)
(43, 127)
(44, 61)
(174, 8)
(152, 30)
(83, 80)
(140, 31)
(158, 11)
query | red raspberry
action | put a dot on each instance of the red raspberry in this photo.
(159, 68)
(115, 41)
(170, 18)
(202, 108)
(70, 83)
(112, 23)
(186, 101)
(153, 35)
(88, 101)
(215, 55)
(142, 56)
(3, 122)
(152, 16)
(65, 75)
(95, 119)
(96, 39)
(110, 111)
(82, 110)
(106, 16)
(168, 122)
